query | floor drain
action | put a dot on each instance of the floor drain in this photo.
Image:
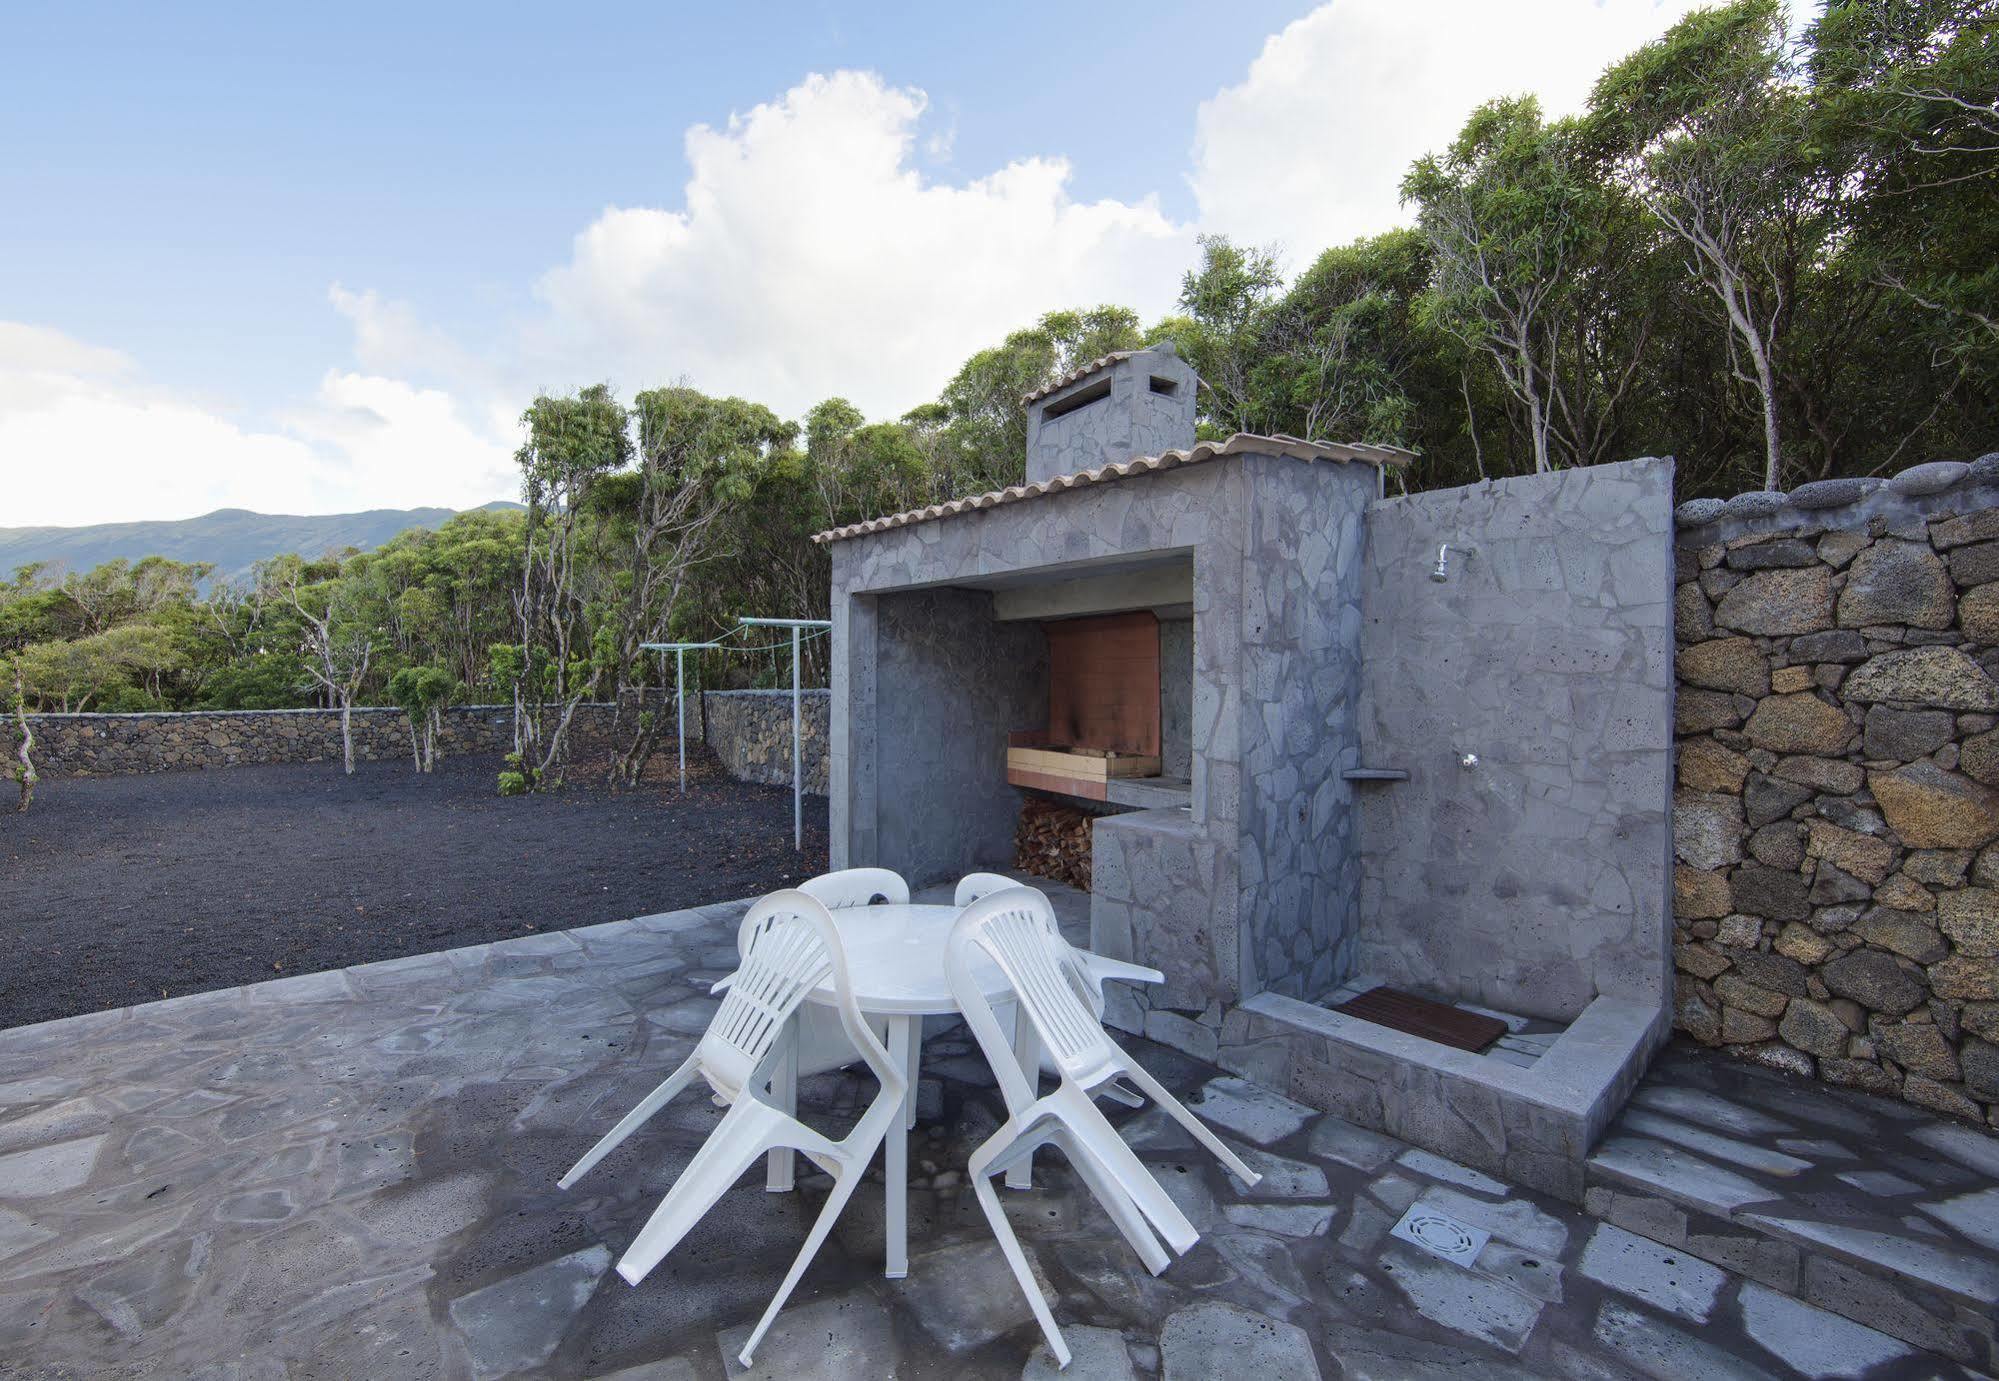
(1441, 1235)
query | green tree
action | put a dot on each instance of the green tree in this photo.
(422, 693)
(572, 444)
(1711, 122)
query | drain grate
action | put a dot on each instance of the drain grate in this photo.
(1441, 1235)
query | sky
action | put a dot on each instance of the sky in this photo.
(316, 259)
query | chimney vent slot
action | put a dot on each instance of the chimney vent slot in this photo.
(1081, 398)
(1168, 387)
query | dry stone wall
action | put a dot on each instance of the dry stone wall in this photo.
(1836, 814)
(750, 732)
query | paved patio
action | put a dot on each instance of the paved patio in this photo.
(351, 1174)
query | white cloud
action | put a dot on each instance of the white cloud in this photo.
(84, 439)
(811, 257)
(1310, 148)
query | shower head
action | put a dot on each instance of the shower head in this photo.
(1442, 570)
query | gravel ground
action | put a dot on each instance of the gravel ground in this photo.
(119, 890)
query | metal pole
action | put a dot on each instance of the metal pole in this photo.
(680, 704)
(797, 627)
(797, 754)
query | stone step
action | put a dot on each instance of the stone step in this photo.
(1881, 1212)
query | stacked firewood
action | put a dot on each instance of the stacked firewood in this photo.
(1053, 841)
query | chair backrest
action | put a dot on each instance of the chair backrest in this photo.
(1016, 929)
(977, 885)
(856, 887)
(787, 946)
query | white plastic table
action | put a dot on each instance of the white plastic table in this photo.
(895, 962)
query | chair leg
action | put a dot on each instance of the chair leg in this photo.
(747, 1131)
(780, 1171)
(1118, 1204)
(1194, 1125)
(844, 1183)
(982, 1187)
(631, 1122)
(1027, 1054)
(1121, 1163)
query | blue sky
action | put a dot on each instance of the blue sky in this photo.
(317, 258)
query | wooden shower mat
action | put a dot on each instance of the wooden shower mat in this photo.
(1419, 1016)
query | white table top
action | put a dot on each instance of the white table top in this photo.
(895, 960)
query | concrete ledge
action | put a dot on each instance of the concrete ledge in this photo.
(1532, 1126)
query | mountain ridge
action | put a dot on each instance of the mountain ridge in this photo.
(233, 539)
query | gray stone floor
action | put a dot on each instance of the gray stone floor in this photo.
(1882, 1211)
(351, 1175)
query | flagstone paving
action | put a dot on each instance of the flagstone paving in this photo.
(1867, 1206)
(352, 1174)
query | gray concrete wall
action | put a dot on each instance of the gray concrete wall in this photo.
(1132, 421)
(1299, 869)
(950, 684)
(1539, 880)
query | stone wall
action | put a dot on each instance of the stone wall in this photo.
(1836, 895)
(1537, 881)
(750, 732)
(80, 745)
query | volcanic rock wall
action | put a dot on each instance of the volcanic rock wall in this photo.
(1836, 894)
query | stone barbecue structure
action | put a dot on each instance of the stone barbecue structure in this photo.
(1322, 677)
(1837, 888)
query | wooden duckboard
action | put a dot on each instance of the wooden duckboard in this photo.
(1419, 1016)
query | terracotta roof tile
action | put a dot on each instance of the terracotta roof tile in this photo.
(1240, 443)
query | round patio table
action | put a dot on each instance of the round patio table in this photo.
(895, 962)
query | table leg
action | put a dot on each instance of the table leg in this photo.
(781, 1162)
(895, 1176)
(912, 1065)
(1027, 1054)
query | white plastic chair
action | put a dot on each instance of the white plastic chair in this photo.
(856, 887)
(789, 945)
(1016, 929)
(821, 1045)
(975, 886)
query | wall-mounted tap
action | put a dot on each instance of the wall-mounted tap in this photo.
(1442, 570)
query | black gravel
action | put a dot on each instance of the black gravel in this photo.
(120, 890)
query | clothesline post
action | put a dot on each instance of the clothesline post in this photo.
(797, 627)
(679, 651)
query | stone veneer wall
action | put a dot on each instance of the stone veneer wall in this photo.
(1836, 895)
(750, 731)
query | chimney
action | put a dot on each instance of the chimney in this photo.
(1128, 404)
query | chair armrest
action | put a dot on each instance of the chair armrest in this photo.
(1101, 968)
(726, 979)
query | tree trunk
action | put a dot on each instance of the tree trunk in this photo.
(1772, 451)
(416, 749)
(24, 774)
(347, 733)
